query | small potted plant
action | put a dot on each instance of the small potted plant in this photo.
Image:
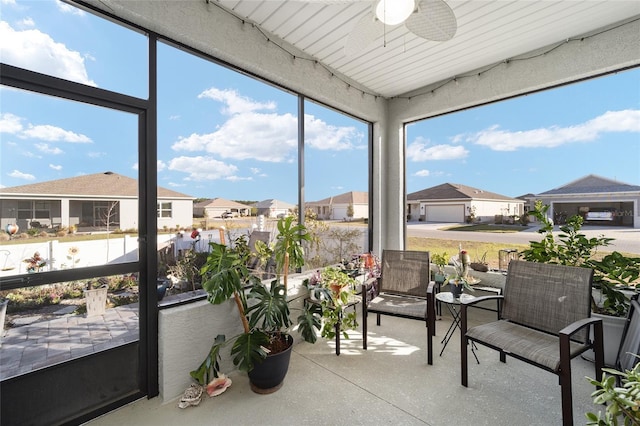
(459, 280)
(333, 289)
(440, 260)
(480, 263)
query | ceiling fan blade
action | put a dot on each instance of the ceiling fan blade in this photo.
(434, 21)
(365, 32)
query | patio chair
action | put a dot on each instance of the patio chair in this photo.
(544, 320)
(403, 290)
(630, 343)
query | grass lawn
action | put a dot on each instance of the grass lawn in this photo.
(475, 248)
(488, 228)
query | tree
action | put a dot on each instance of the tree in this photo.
(350, 211)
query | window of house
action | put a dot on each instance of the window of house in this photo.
(164, 209)
(42, 209)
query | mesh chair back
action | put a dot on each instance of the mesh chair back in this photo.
(547, 297)
(630, 343)
(405, 272)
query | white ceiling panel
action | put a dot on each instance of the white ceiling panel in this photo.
(399, 62)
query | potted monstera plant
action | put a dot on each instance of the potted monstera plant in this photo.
(263, 349)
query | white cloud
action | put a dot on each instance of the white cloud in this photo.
(10, 123)
(19, 175)
(176, 185)
(37, 51)
(53, 134)
(554, 136)
(45, 148)
(321, 135)
(264, 136)
(55, 167)
(66, 8)
(236, 103)
(203, 168)
(238, 178)
(420, 150)
(422, 173)
(26, 23)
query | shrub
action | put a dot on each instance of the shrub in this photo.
(621, 401)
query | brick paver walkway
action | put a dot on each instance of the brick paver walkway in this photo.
(41, 344)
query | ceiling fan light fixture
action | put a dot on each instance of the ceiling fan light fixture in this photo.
(394, 12)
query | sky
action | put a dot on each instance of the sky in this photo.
(224, 134)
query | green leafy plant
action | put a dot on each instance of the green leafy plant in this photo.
(440, 260)
(612, 273)
(332, 289)
(620, 392)
(263, 309)
(288, 249)
(460, 275)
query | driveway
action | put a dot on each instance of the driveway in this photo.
(625, 239)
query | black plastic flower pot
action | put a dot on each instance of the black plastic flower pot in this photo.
(268, 376)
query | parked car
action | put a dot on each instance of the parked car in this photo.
(228, 215)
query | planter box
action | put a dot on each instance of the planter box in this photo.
(96, 301)
(612, 328)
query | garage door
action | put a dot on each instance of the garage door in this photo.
(339, 213)
(447, 213)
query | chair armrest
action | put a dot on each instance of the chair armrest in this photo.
(431, 287)
(576, 326)
(369, 283)
(597, 345)
(366, 287)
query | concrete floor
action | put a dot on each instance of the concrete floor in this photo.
(390, 383)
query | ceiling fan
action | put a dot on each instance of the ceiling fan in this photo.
(428, 19)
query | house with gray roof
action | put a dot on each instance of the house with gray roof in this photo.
(274, 208)
(337, 207)
(94, 201)
(217, 206)
(453, 202)
(598, 200)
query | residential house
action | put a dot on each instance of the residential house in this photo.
(452, 202)
(94, 201)
(337, 207)
(597, 199)
(274, 208)
(217, 206)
